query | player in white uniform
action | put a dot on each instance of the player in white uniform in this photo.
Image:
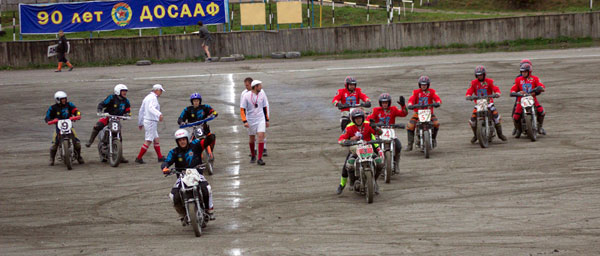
(247, 83)
(148, 119)
(255, 115)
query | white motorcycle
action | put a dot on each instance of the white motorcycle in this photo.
(364, 167)
(64, 137)
(191, 197)
(110, 147)
(388, 138)
(528, 119)
(485, 130)
(424, 128)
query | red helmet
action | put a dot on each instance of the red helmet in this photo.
(424, 80)
(385, 97)
(525, 61)
(480, 70)
(349, 80)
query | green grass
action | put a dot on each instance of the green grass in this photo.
(507, 6)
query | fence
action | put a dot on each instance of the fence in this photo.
(320, 40)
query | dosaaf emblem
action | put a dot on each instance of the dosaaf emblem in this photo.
(121, 14)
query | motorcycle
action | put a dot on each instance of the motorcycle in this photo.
(364, 167)
(198, 132)
(110, 147)
(424, 128)
(191, 197)
(388, 138)
(528, 119)
(64, 139)
(485, 130)
(345, 118)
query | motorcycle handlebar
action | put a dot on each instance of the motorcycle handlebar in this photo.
(51, 122)
(435, 105)
(357, 142)
(397, 126)
(109, 115)
(473, 97)
(210, 118)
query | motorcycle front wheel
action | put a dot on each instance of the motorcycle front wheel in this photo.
(195, 218)
(482, 135)
(388, 166)
(369, 188)
(66, 151)
(114, 159)
(426, 143)
(531, 133)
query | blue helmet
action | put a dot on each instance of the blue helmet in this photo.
(195, 96)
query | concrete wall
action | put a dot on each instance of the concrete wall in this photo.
(323, 40)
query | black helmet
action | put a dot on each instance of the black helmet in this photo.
(357, 112)
(480, 70)
(385, 97)
(424, 80)
(349, 80)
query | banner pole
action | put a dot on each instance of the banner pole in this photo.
(312, 13)
(321, 14)
(14, 28)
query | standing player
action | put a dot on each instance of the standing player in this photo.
(148, 119)
(247, 84)
(255, 115)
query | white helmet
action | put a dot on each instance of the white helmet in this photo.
(59, 95)
(119, 88)
(182, 133)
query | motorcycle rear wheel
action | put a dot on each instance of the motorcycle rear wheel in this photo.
(388, 166)
(482, 135)
(209, 164)
(66, 150)
(369, 186)
(195, 218)
(114, 159)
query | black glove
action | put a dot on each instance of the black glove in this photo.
(373, 125)
(163, 165)
(495, 95)
(411, 107)
(401, 101)
(366, 104)
(338, 105)
(437, 105)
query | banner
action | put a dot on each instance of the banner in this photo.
(113, 15)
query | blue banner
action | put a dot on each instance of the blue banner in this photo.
(113, 15)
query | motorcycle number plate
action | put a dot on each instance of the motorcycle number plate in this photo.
(482, 105)
(365, 149)
(198, 132)
(65, 126)
(424, 115)
(527, 101)
(115, 127)
(388, 134)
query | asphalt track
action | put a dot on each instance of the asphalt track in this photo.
(514, 198)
